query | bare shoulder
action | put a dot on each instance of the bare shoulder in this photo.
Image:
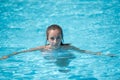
(39, 48)
(67, 46)
(71, 47)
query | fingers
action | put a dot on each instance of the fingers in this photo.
(4, 57)
(9, 55)
(111, 55)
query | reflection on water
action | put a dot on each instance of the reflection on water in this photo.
(62, 58)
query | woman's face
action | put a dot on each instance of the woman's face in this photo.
(54, 38)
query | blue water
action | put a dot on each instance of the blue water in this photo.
(87, 24)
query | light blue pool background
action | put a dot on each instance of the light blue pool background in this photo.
(88, 24)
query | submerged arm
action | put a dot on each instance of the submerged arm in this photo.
(85, 51)
(91, 52)
(24, 51)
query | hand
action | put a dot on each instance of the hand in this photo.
(111, 55)
(4, 57)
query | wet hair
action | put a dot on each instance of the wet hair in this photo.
(54, 27)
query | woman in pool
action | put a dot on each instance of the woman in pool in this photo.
(54, 39)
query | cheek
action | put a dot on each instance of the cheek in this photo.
(60, 40)
(50, 41)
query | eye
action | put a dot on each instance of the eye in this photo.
(58, 37)
(52, 38)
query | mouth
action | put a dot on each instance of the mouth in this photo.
(56, 45)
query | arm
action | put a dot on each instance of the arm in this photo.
(90, 52)
(85, 51)
(24, 51)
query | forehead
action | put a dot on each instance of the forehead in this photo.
(54, 32)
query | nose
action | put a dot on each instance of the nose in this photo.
(55, 40)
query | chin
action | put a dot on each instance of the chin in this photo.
(56, 45)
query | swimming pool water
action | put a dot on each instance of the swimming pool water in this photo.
(87, 24)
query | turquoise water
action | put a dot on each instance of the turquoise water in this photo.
(87, 24)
